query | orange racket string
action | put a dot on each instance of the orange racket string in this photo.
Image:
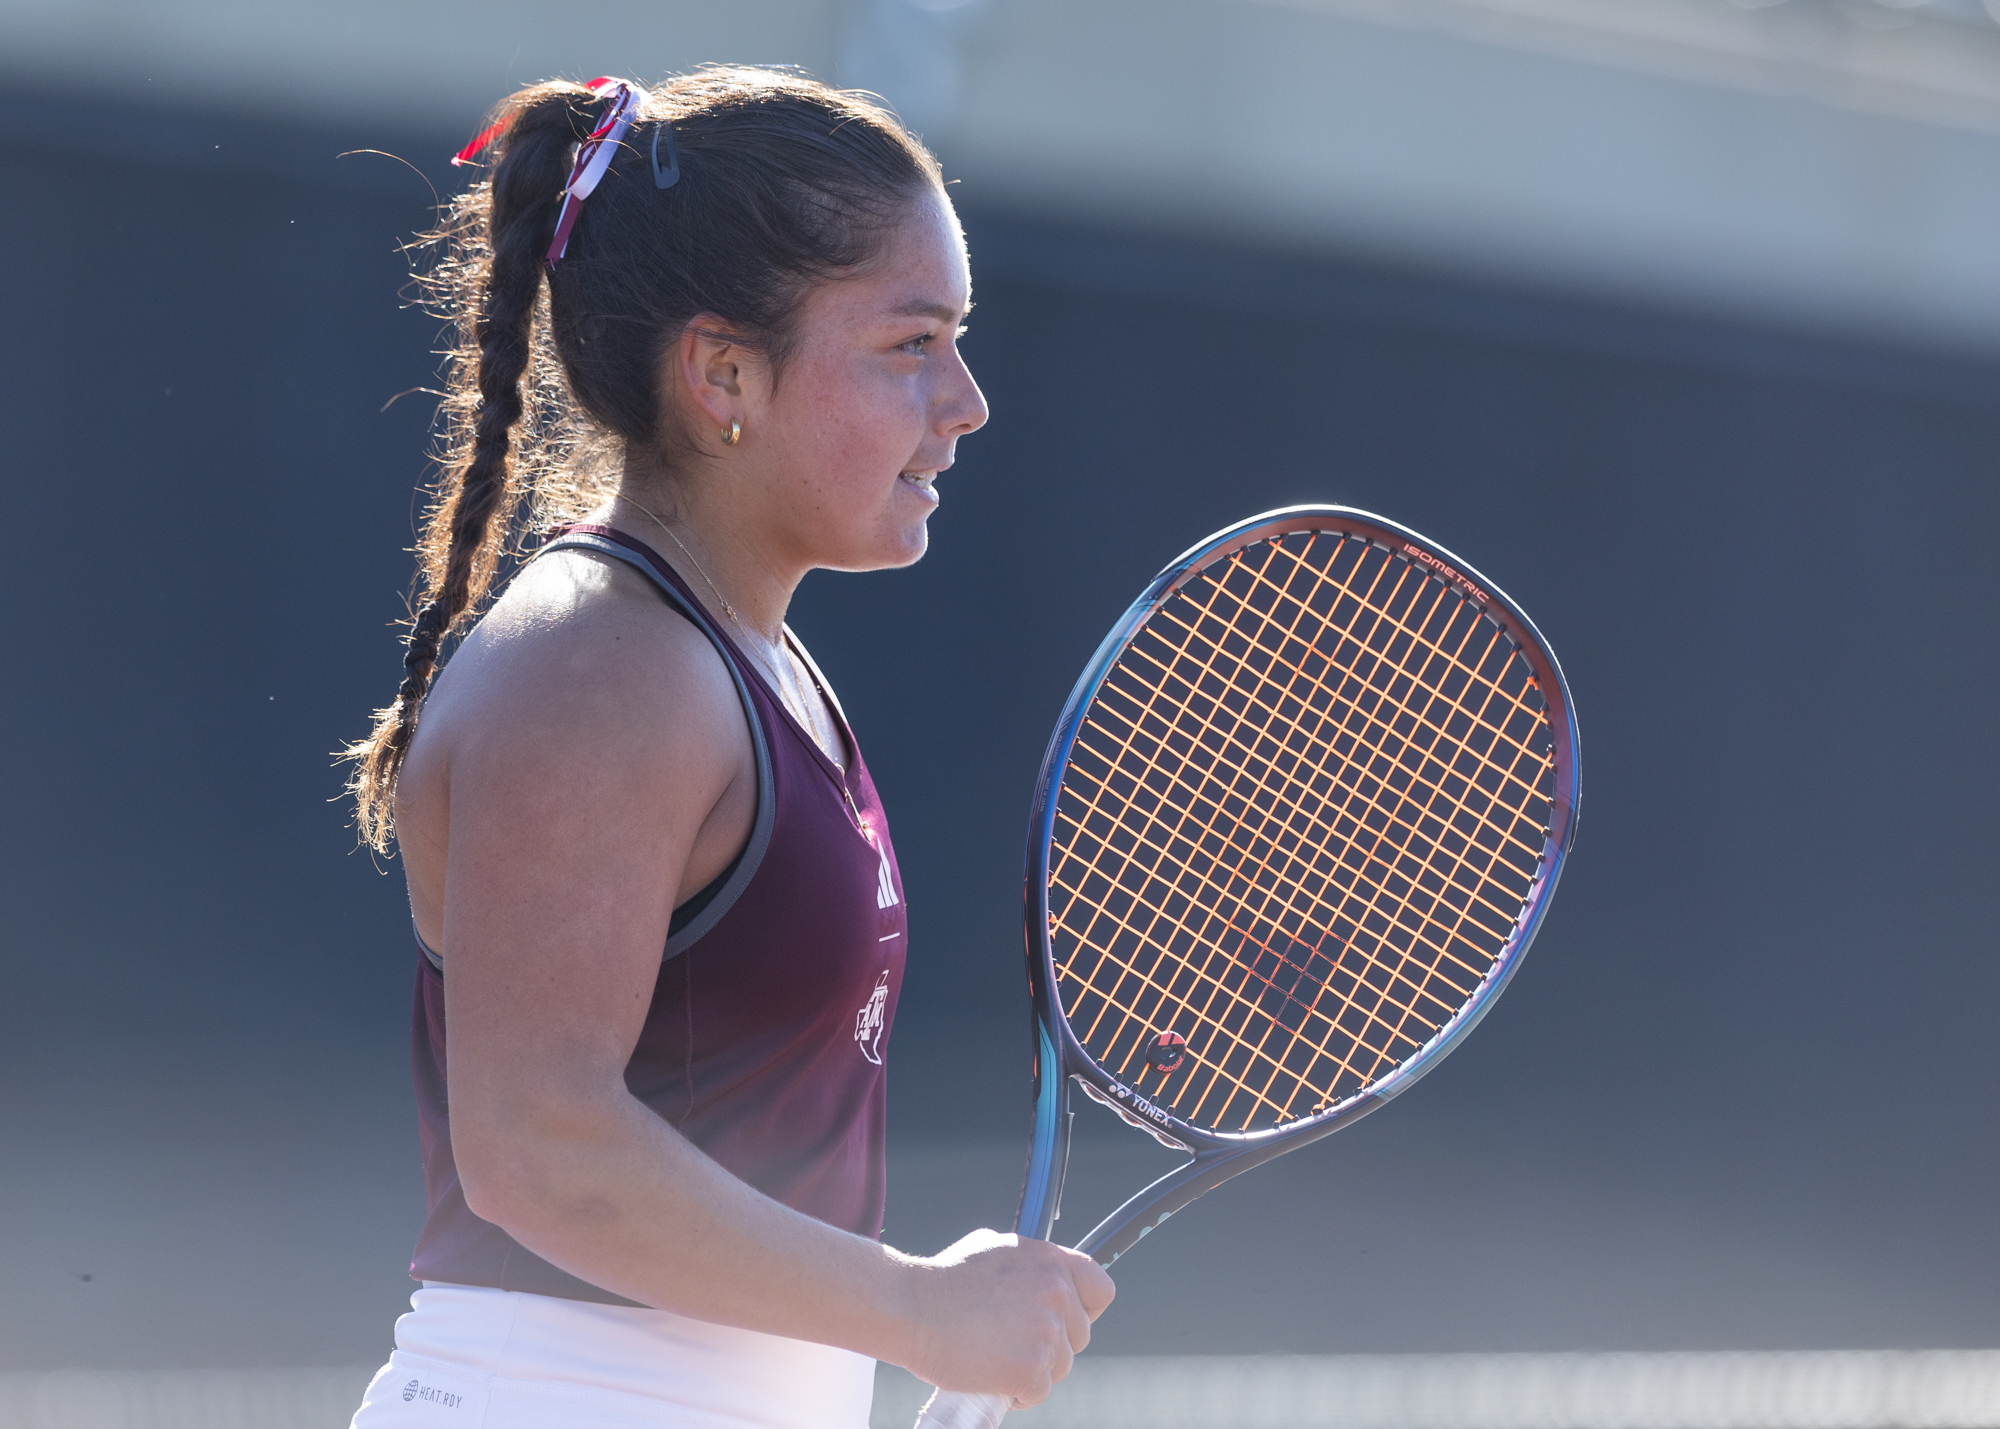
(1273, 825)
(1388, 814)
(1440, 592)
(1154, 694)
(1417, 774)
(1181, 830)
(1518, 705)
(1200, 1017)
(1439, 730)
(1416, 989)
(1091, 936)
(1087, 938)
(1422, 717)
(1387, 729)
(1148, 933)
(1319, 764)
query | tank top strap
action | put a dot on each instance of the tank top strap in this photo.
(607, 541)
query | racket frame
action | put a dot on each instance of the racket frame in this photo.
(1060, 1057)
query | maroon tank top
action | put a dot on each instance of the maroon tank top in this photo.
(768, 1033)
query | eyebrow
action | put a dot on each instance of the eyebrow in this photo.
(943, 312)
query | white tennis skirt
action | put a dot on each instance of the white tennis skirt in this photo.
(473, 1358)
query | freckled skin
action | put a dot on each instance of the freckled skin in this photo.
(869, 407)
(875, 389)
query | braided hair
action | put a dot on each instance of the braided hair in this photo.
(784, 183)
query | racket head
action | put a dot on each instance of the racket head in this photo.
(1296, 827)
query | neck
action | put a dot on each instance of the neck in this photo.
(715, 551)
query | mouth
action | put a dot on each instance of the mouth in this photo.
(923, 481)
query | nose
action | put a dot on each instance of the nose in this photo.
(961, 408)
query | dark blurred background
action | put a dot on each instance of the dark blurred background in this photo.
(1743, 1094)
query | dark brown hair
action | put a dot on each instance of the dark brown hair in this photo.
(784, 183)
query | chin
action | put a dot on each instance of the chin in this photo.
(912, 547)
(890, 551)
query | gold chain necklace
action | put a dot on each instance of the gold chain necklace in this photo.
(792, 692)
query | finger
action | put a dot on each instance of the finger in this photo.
(1030, 1398)
(1076, 1324)
(969, 1245)
(1062, 1359)
(1093, 1284)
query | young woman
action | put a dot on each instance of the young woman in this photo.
(660, 917)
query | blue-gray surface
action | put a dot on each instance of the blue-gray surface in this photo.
(1742, 1095)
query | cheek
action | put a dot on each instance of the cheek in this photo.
(864, 431)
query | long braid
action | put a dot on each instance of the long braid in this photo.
(466, 529)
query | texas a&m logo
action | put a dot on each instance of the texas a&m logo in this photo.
(868, 1021)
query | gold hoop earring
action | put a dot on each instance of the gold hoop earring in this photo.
(729, 438)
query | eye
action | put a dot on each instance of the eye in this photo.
(921, 343)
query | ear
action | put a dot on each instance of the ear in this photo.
(711, 365)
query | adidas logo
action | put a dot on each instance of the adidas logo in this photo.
(885, 878)
(885, 887)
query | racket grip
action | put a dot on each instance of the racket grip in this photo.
(950, 1410)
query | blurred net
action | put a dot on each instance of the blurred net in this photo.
(314, 1398)
(1865, 1389)
(1955, 1389)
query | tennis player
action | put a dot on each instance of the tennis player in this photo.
(711, 333)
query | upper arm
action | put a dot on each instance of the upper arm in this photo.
(586, 756)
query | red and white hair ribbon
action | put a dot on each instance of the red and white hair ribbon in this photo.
(593, 155)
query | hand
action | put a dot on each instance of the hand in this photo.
(1002, 1314)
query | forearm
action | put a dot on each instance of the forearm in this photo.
(616, 1196)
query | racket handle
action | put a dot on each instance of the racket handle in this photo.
(950, 1410)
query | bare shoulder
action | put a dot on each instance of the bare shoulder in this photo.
(578, 636)
(580, 689)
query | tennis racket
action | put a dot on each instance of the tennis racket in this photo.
(1295, 829)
